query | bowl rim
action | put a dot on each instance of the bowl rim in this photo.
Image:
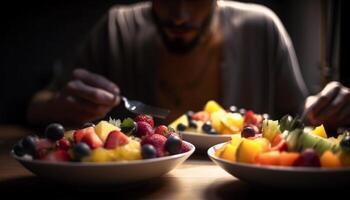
(107, 164)
(212, 156)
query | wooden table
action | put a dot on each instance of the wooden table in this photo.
(197, 178)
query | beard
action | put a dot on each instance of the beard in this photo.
(179, 45)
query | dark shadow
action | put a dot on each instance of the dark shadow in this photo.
(237, 189)
(36, 187)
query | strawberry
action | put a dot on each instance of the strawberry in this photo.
(79, 134)
(115, 139)
(279, 143)
(157, 141)
(250, 118)
(201, 116)
(57, 156)
(143, 129)
(161, 130)
(91, 139)
(145, 118)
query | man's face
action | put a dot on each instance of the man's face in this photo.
(182, 22)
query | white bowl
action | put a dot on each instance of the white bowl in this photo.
(284, 177)
(104, 173)
(204, 141)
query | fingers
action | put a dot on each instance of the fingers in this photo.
(96, 80)
(77, 88)
(325, 97)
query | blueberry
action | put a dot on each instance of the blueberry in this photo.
(242, 111)
(18, 149)
(248, 132)
(233, 109)
(29, 145)
(88, 124)
(148, 151)
(173, 145)
(345, 143)
(81, 150)
(192, 124)
(206, 127)
(54, 131)
(189, 115)
(181, 127)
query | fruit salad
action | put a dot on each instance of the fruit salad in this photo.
(107, 141)
(213, 119)
(286, 142)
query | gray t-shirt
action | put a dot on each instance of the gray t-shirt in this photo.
(259, 68)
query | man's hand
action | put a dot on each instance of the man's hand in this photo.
(86, 97)
(330, 107)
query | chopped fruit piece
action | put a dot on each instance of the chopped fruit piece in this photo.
(229, 152)
(148, 151)
(181, 120)
(268, 158)
(201, 116)
(157, 141)
(116, 139)
(330, 160)
(264, 143)
(279, 143)
(69, 135)
(162, 130)
(308, 158)
(250, 118)
(215, 119)
(43, 143)
(92, 140)
(128, 125)
(57, 156)
(79, 134)
(54, 131)
(63, 144)
(236, 140)
(288, 158)
(293, 139)
(145, 118)
(212, 106)
(270, 129)
(103, 128)
(130, 151)
(101, 155)
(235, 121)
(320, 131)
(143, 129)
(173, 145)
(248, 150)
(80, 151)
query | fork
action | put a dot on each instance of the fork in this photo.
(138, 107)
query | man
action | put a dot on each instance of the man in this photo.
(178, 54)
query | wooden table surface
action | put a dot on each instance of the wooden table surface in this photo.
(196, 178)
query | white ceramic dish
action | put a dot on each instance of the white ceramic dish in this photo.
(284, 177)
(204, 141)
(104, 173)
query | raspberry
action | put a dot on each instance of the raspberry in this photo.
(157, 141)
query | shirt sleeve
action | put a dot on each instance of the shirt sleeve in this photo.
(289, 86)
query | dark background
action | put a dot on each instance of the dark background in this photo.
(35, 37)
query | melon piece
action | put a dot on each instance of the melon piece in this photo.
(268, 158)
(330, 160)
(248, 150)
(181, 120)
(288, 158)
(103, 128)
(212, 106)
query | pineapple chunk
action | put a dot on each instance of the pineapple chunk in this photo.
(104, 128)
